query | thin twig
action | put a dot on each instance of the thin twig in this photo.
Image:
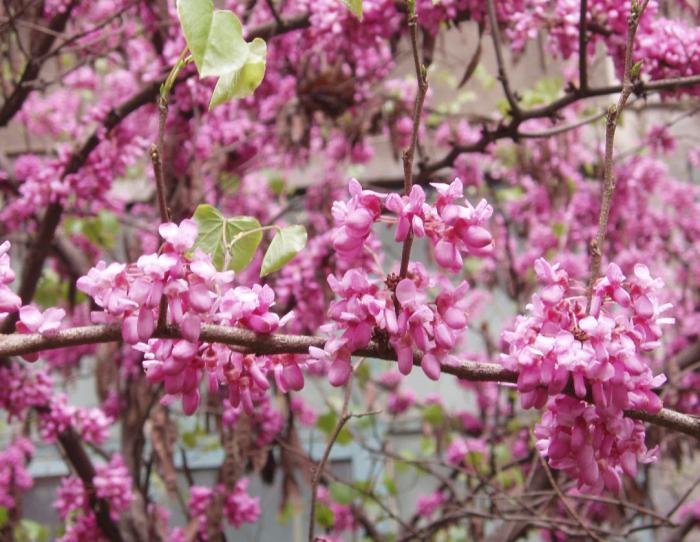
(685, 495)
(158, 173)
(275, 14)
(409, 153)
(502, 74)
(608, 177)
(583, 47)
(318, 471)
(565, 501)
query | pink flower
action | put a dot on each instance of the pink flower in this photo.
(181, 237)
(410, 211)
(428, 504)
(401, 401)
(9, 301)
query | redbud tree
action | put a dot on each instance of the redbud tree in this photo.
(248, 222)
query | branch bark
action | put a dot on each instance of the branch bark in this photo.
(18, 344)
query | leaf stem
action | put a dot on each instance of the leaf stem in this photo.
(243, 234)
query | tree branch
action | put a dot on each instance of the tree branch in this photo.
(409, 153)
(583, 47)
(608, 177)
(318, 471)
(75, 453)
(31, 71)
(515, 111)
(18, 344)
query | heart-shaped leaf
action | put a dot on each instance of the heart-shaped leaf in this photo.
(286, 244)
(215, 39)
(222, 238)
(241, 83)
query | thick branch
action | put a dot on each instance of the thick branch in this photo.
(18, 344)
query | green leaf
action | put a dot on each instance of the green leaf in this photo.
(390, 485)
(31, 531)
(325, 516)
(405, 466)
(276, 184)
(222, 238)
(559, 229)
(636, 69)
(362, 375)
(243, 82)
(434, 415)
(52, 289)
(428, 446)
(326, 422)
(242, 247)
(215, 39)
(355, 7)
(189, 438)
(545, 91)
(287, 513)
(344, 437)
(285, 245)
(4, 516)
(341, 493)
(100, 230)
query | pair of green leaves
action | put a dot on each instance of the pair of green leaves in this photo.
(215, 40)
(232, 242)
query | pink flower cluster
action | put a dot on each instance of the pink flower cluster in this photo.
(591, 444)
(432, 327)
(239, 506)
(194, 292)
(23, 389)
(466, 452)
(403, 311)
(343, 516)
(265, 422)
(601, 354)
(303, 412)
(455, 230)
(92, 424)
(33, 320)
(428, 504)
(112, 483)
(14, 477)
